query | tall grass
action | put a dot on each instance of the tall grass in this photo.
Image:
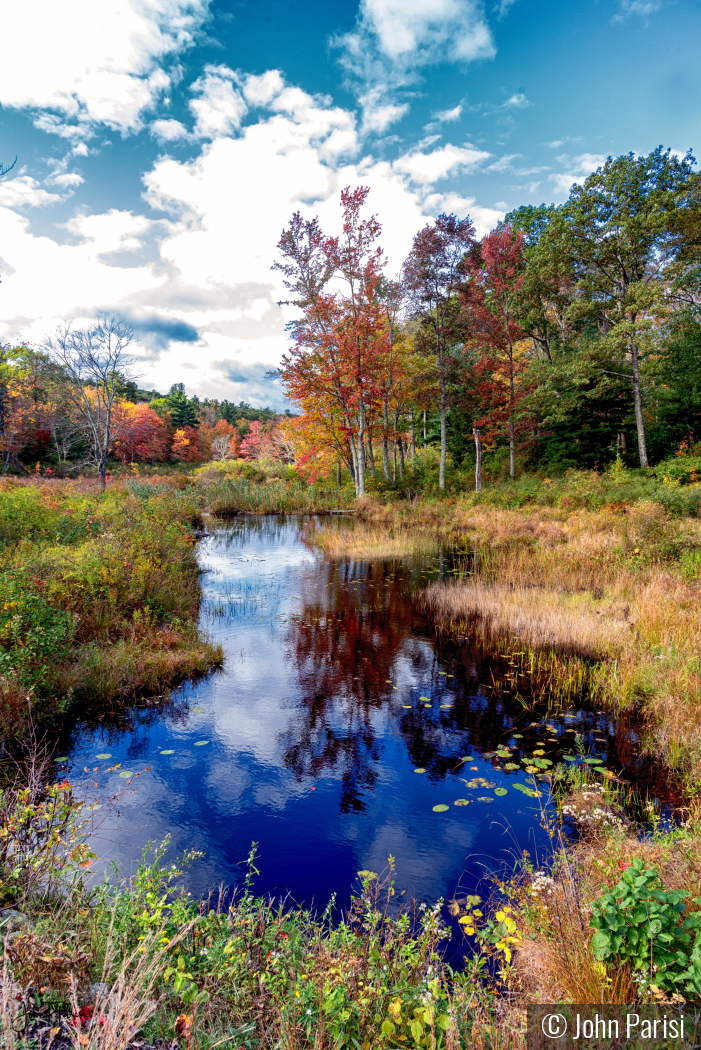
(238, 495)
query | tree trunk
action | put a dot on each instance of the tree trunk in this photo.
(385, 440)
(642, 448)
(371, 454)
(412, 439)
(399, 440)
(424, 428)
(444, 444)
(478, 459)
(360, 483)
(338, 473)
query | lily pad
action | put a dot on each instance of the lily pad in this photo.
(63, 758)
(198, 708)
(570, 758)
(489, 783)
(485, 798)
(525, 790)
(446, 707)
(420, 770)
(407, 707)
(126, 773)
(511, 765)
(201, 743)
(461, 802)
(95, 805)
(504, 754)
(440, 809)
(467, 758)
(105, 754)
(517, 736)
(472, 784)
(500, 791)
(169, 752)
(594, 761)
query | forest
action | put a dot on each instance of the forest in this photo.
(566, 338)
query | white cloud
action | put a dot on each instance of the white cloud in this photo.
(484, 219)
(643, 8)
(576, 170)
(517, 101)
(67, 180)
(202, 276)
(393, 39)
(169, 130)
(503, 163)
(504, 7)
(220, 108)
(429, 167)
(23, 191)
(449, 115)
(92, 66)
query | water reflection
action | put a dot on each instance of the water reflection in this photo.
(338, 723)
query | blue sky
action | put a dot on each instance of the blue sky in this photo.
(163, 144)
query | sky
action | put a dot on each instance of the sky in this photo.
(163, 145)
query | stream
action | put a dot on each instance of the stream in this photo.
(339, 722)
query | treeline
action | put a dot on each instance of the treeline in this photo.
(566, 337)
(72, 401)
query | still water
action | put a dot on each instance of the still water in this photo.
(338, 723)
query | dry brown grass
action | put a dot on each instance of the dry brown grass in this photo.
(555, 963)
(617, 587)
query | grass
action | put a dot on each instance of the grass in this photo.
(101, 594)
(609, 598)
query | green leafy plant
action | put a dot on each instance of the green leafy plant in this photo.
(641, 924)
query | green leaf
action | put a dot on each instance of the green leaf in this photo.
(105, 754)
(500, 791)
(485, 798)
(461, 802)
(601, 945)
(126, 773)
(420, 770)
(201, 743)
(170, 752)
(440, 808)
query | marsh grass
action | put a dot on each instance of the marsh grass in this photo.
(239, 495)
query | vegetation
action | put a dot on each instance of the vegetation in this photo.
(100, 594)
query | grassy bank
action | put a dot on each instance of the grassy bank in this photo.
(100, 966)
(100, 595)
(615, 590)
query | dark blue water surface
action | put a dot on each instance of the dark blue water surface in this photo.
(314, 741)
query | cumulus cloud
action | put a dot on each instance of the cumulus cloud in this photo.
(220, 107)
(429, 167)
(67, 179)
(169, 130)
(89, 69)
(449, 115)
(201, 276)
(393, 39)
(24, 191)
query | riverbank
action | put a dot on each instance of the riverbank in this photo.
(139, 962)
(100, 596)
(614, 589)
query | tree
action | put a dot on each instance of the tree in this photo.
(94, 364)
(620, 231)
(140, 434)
(490, 300)
(182, 411)
(432, 278)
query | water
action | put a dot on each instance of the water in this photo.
(315, 742)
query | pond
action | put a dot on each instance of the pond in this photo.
(341, 731)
